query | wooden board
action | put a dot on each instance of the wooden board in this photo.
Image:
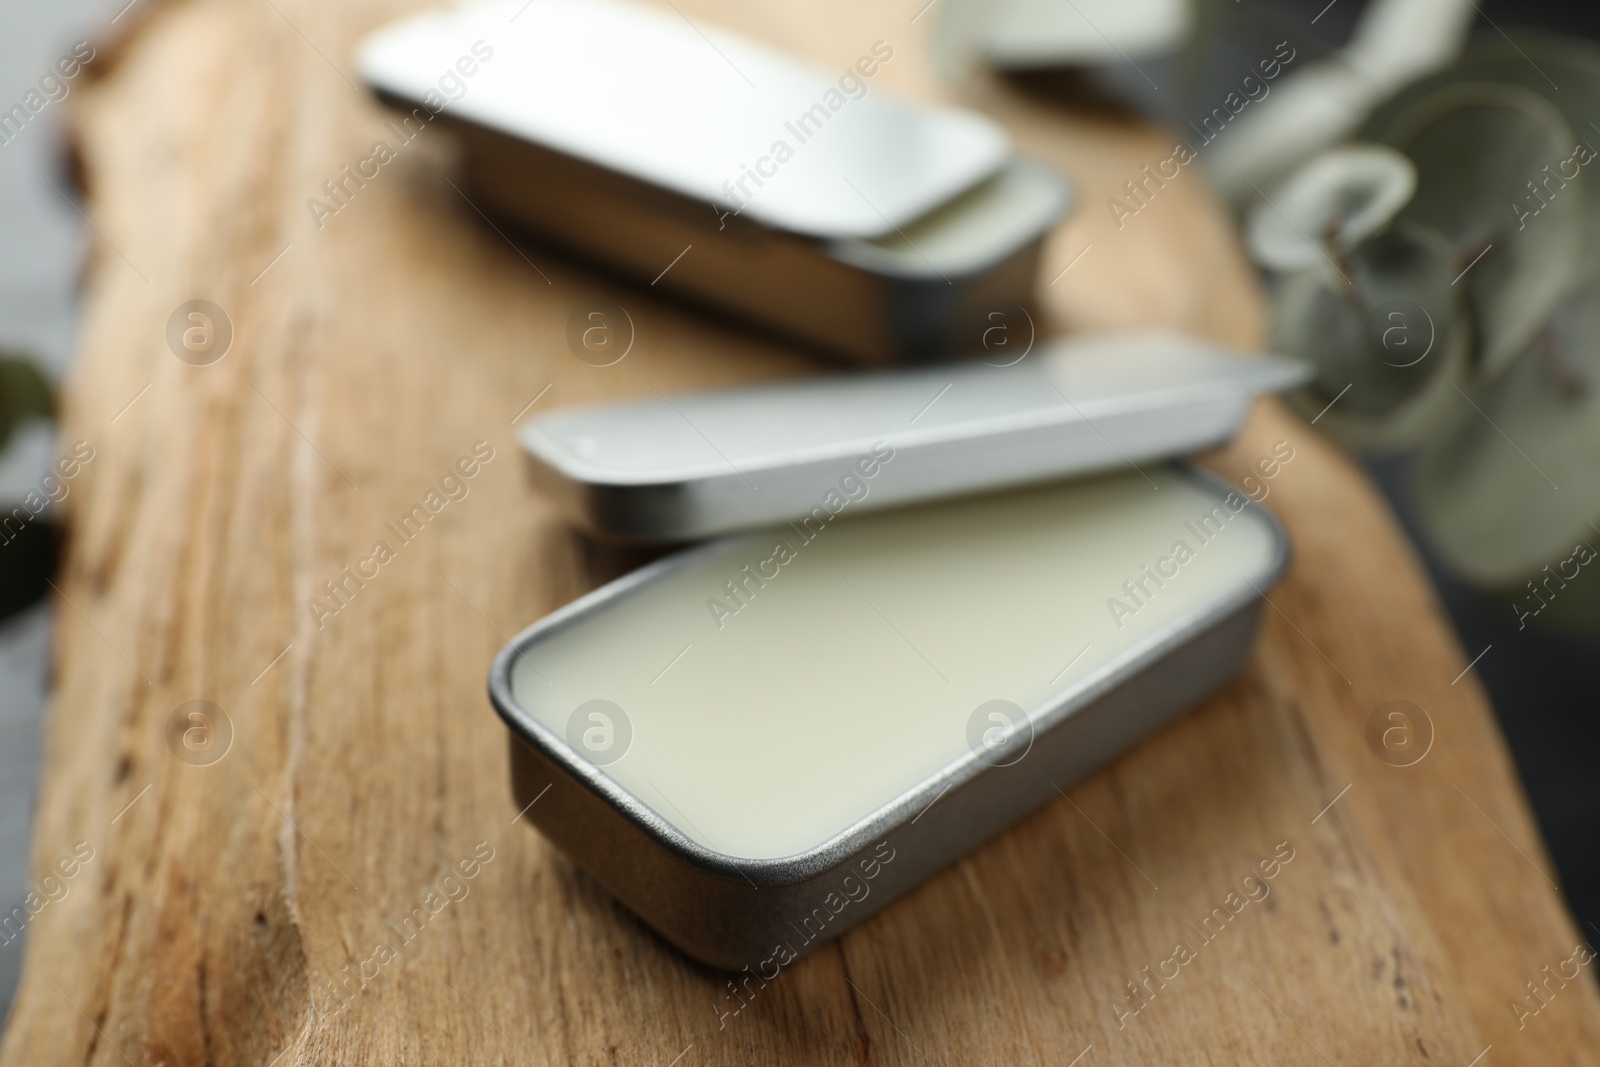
(224, 903)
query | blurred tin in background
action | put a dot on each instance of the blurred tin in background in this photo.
(808, 201)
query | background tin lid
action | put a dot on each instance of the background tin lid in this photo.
(695, 465)
(683, 105)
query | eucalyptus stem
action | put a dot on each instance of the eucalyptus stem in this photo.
(1339, 256)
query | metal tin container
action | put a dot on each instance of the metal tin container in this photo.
(804, 200)
(692, 466)
(758, 809)
(895, 300)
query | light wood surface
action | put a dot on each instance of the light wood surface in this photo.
(222, 902)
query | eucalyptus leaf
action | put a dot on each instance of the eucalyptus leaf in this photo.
(1477, 146)
(30, 551)
(1515, 482)
(1033, 34)
(1314, 106)
(24, 393)
(28, 562)
(1389, 346)
(1331, 204)
(1539, 63)
(1563, 70)
(1321, 102)
(1397, 40)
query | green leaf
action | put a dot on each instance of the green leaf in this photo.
(1515, 482)
(1389, 346)
(24, 393)
(1563, 70)
(1477, 147)
(1330, 205)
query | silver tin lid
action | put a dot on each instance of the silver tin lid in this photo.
(691, 466)
(685, 106)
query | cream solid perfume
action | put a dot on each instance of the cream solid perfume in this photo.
(722, 736)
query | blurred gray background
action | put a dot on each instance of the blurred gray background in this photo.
(40, 257)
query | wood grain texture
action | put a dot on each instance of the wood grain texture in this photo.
(223, 903)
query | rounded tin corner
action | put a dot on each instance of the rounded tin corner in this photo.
(893, 817)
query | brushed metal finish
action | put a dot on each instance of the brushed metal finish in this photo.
(703, 464)
(643, 92)
(731, 912)
(848, 298)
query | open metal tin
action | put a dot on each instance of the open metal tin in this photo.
(754, 782)
(805, 200)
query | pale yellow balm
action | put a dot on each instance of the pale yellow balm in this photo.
(784, 685)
